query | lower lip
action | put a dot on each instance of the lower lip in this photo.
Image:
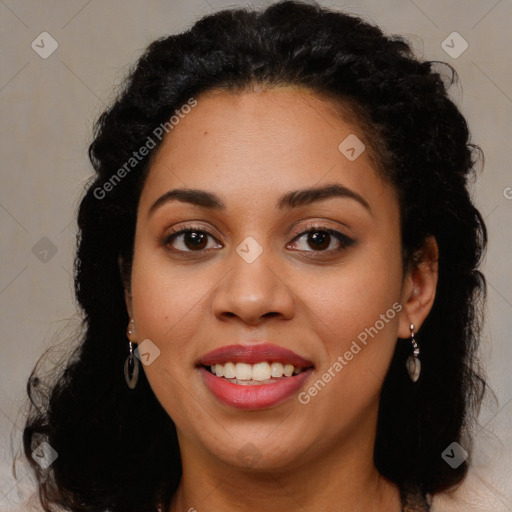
(253, 396)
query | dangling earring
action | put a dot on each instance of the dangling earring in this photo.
(413, 364)
(131, 364)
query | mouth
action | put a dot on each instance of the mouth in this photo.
(253, 377)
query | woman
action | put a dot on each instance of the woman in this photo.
(278, 267)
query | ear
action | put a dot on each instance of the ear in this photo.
(419, 288)
(126, 285)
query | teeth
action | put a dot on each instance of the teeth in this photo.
(276, 369)
(230, 370)
(288, 370)
(243, 371)
(260, 372)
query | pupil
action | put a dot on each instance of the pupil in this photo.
(320, 239)
(196, 238)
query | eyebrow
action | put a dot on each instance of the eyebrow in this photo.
(292, 199)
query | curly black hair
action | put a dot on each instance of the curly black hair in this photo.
(117, 448)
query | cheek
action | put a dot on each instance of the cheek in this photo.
(357, 317)
(167, 305)
(356, 296)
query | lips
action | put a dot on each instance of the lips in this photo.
(238, 394)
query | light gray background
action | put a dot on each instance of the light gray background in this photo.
(47, 107)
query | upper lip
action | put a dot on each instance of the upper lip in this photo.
(253, 354)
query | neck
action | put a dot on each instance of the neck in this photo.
(344, 479)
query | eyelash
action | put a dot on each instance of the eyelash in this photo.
(343, 239)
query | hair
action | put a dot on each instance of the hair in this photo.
(117, 448)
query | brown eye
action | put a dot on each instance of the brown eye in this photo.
(195, 240)
(319, 240)
(322, 240)
(188, 240)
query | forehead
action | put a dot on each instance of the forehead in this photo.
(259, 144)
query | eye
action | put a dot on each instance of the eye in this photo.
(319, 239)
(192, 239)
(324, 240)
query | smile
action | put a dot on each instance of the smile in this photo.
(244, 373)
(255, 376)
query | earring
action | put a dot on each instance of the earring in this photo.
(129, 331)
(131, 364)
(413, 364)
(131, 368)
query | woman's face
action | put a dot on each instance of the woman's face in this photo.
(250, 278)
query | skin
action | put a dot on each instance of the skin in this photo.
(249, 149)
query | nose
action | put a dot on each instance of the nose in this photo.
(253, 291)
